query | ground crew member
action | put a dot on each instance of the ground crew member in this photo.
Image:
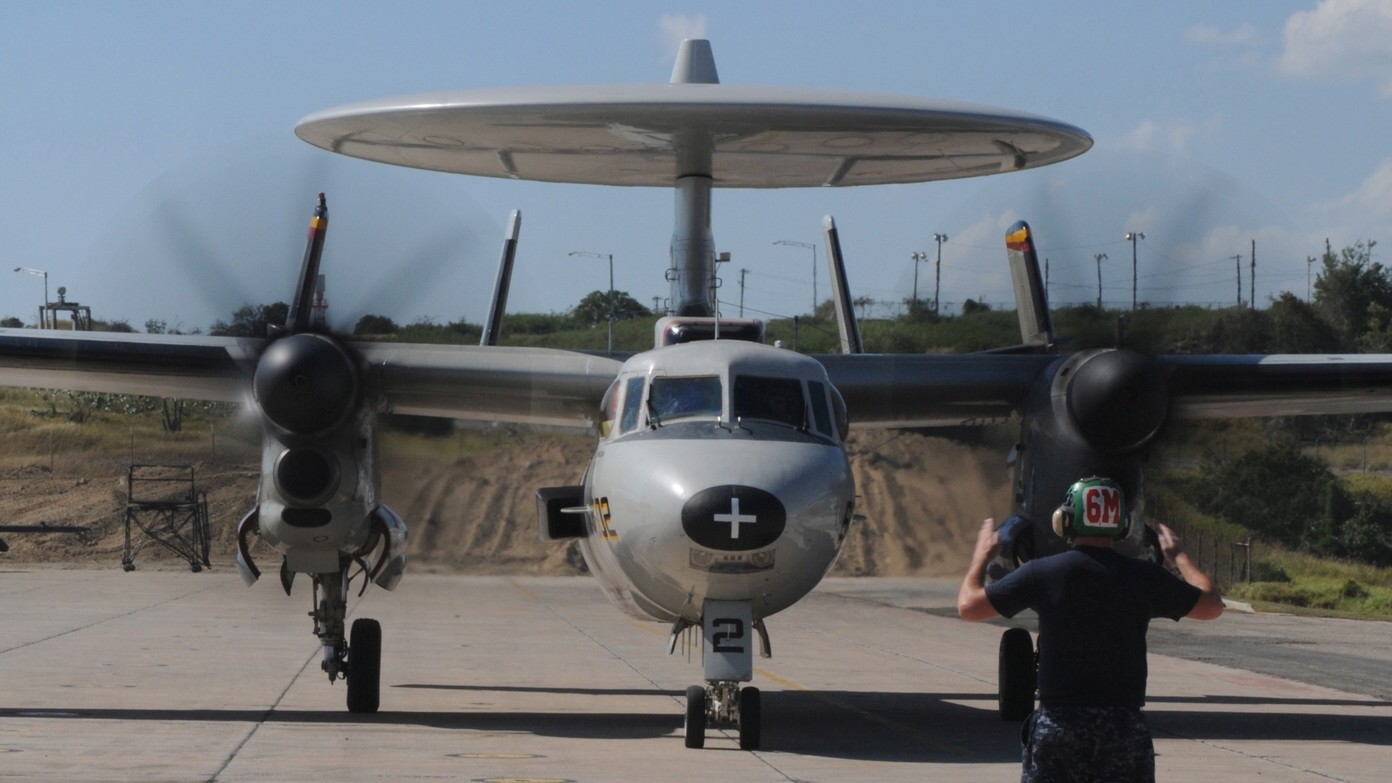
(1094, 605)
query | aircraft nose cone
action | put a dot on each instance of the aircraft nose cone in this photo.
(733, 518)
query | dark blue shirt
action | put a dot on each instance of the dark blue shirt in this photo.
(1094, 607)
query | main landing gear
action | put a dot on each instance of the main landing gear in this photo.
(728, 655)
(357, 659)
(1017, 674)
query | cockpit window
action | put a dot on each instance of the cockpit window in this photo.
(821, 414)
(773, 399)
(633, 402)
(671, 398)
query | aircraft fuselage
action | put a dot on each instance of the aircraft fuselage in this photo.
(720, 475)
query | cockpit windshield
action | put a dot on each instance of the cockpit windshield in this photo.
(772, 399)
(671, 398)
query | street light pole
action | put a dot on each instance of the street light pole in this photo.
(43, 311)
(1132, 236)
(917, 256)
(610, 257)
(937, 270)
(1100, 257)
(814, 266)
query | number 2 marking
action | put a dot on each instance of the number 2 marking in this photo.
(721, 640)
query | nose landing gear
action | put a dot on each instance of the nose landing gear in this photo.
(729, 660)
(358, 658)
(723, 703)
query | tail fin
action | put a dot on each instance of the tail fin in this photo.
(493, 327)
(1031, 300)
(300, 316)
(841, 291)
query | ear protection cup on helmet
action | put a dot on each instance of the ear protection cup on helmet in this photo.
(1062, 516)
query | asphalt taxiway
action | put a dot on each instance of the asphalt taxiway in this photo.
(173, 676)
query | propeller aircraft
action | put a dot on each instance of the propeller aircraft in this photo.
(719, 492)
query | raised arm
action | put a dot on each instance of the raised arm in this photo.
(972, 603)
(1210, 604)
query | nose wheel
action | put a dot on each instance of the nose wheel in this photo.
(356, 656)
(723, 704)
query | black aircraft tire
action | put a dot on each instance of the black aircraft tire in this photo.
(695, 717)
(1016, 675)
(750, 715)
(364, 666)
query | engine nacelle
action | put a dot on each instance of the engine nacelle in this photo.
(1090, 414)
(318, 503)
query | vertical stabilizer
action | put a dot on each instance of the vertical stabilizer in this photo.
(695, 63)
(493, 327)
(846, 323)
(1031, 301)
(301, 307)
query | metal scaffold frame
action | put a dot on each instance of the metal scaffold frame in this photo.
(165, 506)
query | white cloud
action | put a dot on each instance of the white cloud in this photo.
(1363, 213)
(675, 28)
(1344, 39)
(1243, 35)
(1153, 136)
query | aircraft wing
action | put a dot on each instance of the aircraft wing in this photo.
(1216, 386)
(526, 385)
(923, 390)
(919, 390)
(195, 367)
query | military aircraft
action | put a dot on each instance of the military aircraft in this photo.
(719, 492)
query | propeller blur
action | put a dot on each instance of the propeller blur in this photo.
(719, 492)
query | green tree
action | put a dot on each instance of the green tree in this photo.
(375, 324)
(1349, 284)
(594, 308)
(1239, 331)
(1296, 327)
(252, 320)
(12, 323)
(1277, 491)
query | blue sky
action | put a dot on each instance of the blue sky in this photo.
(150, 164)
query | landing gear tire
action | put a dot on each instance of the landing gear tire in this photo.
(695, 717)
(364, 665)
(1016, 677)
(750, 714)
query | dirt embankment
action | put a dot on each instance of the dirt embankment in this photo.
(921, 501)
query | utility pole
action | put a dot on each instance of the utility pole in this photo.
(1132, 236)
(743, 272)
(937, 271)
(1252, 279)
(1237, 262)
(1309, 267)
(1099, 257)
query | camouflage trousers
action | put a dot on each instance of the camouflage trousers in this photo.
(1087, 745)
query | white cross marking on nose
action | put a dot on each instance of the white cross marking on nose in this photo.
(735, 518)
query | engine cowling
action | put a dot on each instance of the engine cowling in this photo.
(1116, 400)
(1092, 413)
(306, 384)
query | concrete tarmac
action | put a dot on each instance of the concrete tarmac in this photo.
(173, 676)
